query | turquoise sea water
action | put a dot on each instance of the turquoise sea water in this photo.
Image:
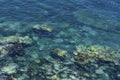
(59, 40)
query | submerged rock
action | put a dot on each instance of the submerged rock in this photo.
(43, 30)
(59, 53)
(13, 78)
(100, 72)
(10, 68)
(3, 51)
(16, 39)
(12, 50)
(95, 53)
(13, 45)
(55, 77)
(86, 75)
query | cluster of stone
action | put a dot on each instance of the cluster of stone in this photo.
(14, 45)
(94, 53)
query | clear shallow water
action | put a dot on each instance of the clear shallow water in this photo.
(48, 8)
(69, 24)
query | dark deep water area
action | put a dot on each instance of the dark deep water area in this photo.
(59, 40)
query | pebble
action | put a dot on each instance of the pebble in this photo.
(99, 71)
(104, 75)
(118, 75)
(72, 77)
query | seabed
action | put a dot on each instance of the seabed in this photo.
(81, 45)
